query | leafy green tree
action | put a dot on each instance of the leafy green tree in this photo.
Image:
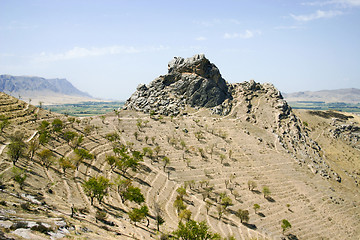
(243, 215)
(252, 185)
(165, 161)
(157, 150)
(266, 191)
(158, 216)
(226, 201)
(4, 122)
(69, 136)
(193, 230)
(199, 135)
(138, 214)
(44, 137)
(44, 125)
(112, 137)
(46, 157)
(134, 194)
(181, 192)
(33, 146)
(129, 162)
(111, 160)
(16, 148)
(57, 125)
(96, 188)
(122, 186)
(285, 225)
(179, 204)
(256, 207)
(19, 176)
(66, 163)
(185, 214)
(81, 155)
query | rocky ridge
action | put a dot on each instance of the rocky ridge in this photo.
(197, 82)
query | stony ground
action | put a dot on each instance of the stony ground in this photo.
(234, 151)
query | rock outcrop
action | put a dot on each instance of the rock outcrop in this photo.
(194, 81)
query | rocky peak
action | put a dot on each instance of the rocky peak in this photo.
(193, 81)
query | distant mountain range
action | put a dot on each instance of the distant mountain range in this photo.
(347, 95)
(48, 91)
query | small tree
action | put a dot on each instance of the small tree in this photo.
(4, 122)
(19, 176)
(66, 163)
(134, 194)
(138, 214)
(252, 185)
(46, 158)
(69, 136)
(185, 214)
(226, 202)
(243, 215)
(57, 125)
(158, 216)
(194, 230)
(122, 186)
(222, 158)
(33, 146)
(179, 204)
(96, 188)
(111, 160)
(266, 191)
(285, 225)
(256, 207)
(165, 161)
(16, 150)
(112, 137)
(81, 155)
(181, 192)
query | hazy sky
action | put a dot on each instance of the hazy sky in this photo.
(108, 47)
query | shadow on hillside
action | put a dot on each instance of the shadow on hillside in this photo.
(145, 168)
(292, 237)
(256, 191)
(270, 199)
(251, 226)
(91, 166)
(142, 182)
(261, 214)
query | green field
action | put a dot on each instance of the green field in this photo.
(85, 109)
(338, 106)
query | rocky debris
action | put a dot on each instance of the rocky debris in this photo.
(349, 133)
(194, 81)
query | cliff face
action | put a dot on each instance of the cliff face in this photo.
(23, 85)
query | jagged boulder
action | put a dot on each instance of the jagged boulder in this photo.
(194, 81)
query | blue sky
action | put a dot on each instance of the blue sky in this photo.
(108, 47)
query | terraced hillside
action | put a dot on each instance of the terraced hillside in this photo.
(215, 158)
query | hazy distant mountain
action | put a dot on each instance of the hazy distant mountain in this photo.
(347, 95)
(48, 91)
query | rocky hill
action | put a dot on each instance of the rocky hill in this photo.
(48, 91)
(241, 165)
(348, 95)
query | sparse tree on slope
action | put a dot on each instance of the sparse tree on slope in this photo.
(193, 230)
(285, 225)
(16, 147)
(96, 188)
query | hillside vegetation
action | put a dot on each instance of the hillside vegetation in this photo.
(169, 166)
(213, 158)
